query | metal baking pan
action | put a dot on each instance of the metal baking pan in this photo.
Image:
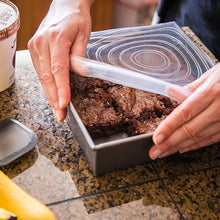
(15, 140)
(163, 51)
(112, 152)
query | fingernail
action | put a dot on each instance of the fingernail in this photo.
(58, 116)
(183, 150)
(159, 139)
(155, 154)
(164, 155)
(54, 112)
(62, 102)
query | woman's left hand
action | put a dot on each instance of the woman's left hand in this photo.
(195, 123)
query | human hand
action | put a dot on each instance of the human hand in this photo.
(195, 123)
(65, 30)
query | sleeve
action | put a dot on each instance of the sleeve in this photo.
(160, 12)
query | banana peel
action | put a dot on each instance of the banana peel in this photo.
(17, 201)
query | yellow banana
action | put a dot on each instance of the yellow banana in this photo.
(17, 201)
(6, 215)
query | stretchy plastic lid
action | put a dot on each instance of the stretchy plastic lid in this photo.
(9, 19)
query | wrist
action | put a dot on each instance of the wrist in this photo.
(82, 3)
(70, 6)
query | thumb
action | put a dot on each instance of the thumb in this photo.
(78, 51)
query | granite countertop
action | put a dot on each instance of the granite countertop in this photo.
(56, 171)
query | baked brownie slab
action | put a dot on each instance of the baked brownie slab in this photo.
(106, 108)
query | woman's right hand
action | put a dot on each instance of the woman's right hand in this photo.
(65, 30)
(195, 123)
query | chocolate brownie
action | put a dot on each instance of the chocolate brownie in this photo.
(97, 112)
(106, 108)
(124, 97)
(143, 126)
(86, 84)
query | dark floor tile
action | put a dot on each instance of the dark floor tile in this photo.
(178, 164)
(198, 194)
(87, 183)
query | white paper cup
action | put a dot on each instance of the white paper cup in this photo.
(9, 25)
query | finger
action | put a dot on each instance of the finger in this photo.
(34, 55)
(76, 62)
(60, 67)
(206, 142)
(48, 83)
(188, 130)
(79, 50)
(194, 85)
(60, 114)
(203, 136)
(47, 80)
(179, 94)
(79, 46)
(34, 46)
(181, 115)
(42, 55)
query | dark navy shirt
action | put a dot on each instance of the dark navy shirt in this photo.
(202, 16)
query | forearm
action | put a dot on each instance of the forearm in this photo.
(60, 9)
(73, 3)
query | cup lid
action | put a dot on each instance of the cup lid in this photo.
(9, 19)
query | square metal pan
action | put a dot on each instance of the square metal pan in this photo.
(119, 151)
(111, 152)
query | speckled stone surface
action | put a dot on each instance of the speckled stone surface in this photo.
(57, 173)
(197, 194)
(136, 202)
(177, 164)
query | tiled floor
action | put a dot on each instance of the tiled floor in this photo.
(183, 189)
(57, 173)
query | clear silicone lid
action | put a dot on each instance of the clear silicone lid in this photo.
(162, 51)
(127, 77)
(147, 57)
